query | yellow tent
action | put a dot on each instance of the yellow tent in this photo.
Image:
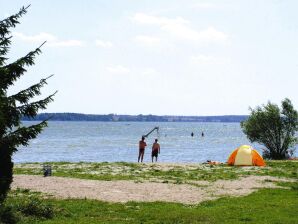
(245, 155)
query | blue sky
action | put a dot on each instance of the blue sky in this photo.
(160, 57)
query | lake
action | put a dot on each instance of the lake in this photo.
(118, 141)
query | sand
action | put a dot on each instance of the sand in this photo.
(124, 191)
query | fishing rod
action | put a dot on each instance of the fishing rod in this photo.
(155, 128)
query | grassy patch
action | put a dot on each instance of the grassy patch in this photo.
(281, 169)
(264, 206)
(159, 172)
(27, 206)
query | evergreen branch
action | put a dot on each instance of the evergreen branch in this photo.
(24, 96)
(4, 43)
(11, 21)
(2, 60)
(13, 114)
(22, 135)
(11, 72)
(4, 48)
(8, 76)
(28, 59)
(31, 110)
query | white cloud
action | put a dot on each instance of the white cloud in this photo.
(204, 5)
(209, 60)
(35, 38)
(66, 43)
(181, 29)
(52, 40)
(149, 72)
(147, 40)
(104, 44)
(143, 18)
(118, 69)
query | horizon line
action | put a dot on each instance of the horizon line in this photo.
(144, 114)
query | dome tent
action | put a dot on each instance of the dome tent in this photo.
(245, 155)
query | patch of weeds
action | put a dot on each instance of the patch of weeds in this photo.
(267, 180)
(96, 166)
(197, 185)
(291, 185)
(8, 215)
(27, 207)
(246, 219)
(25, 191)
(207, 204)
(34, 206)
(178, 181)
(138, 181)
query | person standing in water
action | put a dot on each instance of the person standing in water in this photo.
(142, 145)
(155, 150)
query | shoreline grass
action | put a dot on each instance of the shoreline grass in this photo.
(263, 206)
(173, 173)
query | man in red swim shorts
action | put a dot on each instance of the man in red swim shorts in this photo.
(142, 145)
(155, 150)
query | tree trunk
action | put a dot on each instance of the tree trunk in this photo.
(6, 169)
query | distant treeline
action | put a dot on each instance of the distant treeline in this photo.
(115, 117)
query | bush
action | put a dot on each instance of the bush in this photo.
(274, 128)
(7, 215)
(34, 206)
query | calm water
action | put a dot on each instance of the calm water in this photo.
(112, 141)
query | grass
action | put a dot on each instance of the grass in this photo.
(25, 205)
(282, 168)
(264, 206)
(156, 172)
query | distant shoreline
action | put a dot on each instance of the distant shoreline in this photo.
(134, 118)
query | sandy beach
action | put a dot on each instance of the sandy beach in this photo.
(126, 190)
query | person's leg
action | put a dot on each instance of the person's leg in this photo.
(139, 156)
(142, 156)
(152, 158)
(156, 159)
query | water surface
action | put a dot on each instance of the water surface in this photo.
(118, 141)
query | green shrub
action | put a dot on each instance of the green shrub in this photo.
(34, 206)
(7, 215)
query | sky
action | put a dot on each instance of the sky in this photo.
(166, 57)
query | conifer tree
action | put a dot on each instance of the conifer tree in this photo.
(13, 107)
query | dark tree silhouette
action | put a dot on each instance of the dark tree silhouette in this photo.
(14, 107)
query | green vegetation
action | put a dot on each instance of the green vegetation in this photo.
(264, 206)
(25, 206)
(158, 172)
(274, 128)
(287, 169)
